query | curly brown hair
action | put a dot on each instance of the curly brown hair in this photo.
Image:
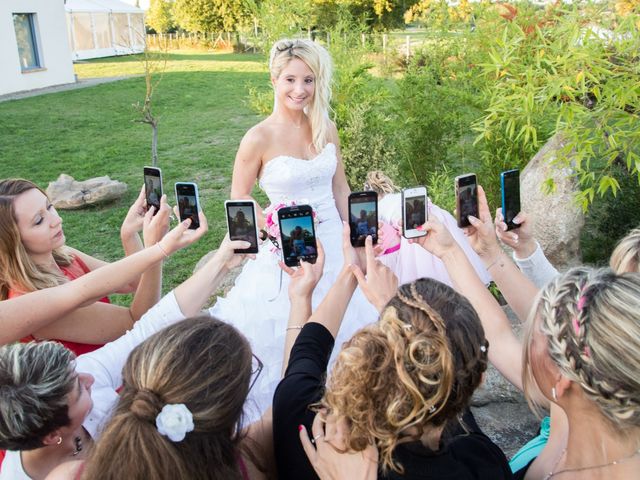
(413, 370)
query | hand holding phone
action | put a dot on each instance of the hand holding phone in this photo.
(153, 187)
(510, 185)
(363, 217)
(414, 211)
(188, 203)
(466, 198)
(297, 234)
(242, 224)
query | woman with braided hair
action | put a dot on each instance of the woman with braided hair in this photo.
(401, 386)
(578, 359)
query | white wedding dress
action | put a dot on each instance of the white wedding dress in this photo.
(258, 304)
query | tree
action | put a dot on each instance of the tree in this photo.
(159, 16)
(208, 16)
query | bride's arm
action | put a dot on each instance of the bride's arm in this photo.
(246, 169)
(340, 186)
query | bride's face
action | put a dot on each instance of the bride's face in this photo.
(295, 86)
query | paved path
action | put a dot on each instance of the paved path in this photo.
(84, 83)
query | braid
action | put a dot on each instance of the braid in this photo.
(581, 314)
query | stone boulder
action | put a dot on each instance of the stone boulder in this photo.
(66, 193)
(556, 218)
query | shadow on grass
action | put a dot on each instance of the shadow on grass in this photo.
(177, 57)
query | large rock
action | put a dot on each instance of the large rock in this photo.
(556, 218)
(68, 194)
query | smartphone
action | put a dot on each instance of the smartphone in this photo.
(297, 234)
(363, 217)
(510, 183)
(414, 211)
(242, 224)
(188, 203)
(466, 198)
(153, 187)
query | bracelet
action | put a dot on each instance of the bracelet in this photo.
(494, 262)
(295, 327)
(162, 250)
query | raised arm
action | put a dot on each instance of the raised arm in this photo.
(102, 322)
(303, 281)
(527, 252)
(247, 167)
(23, 315)
(505, 350)
(516, 288)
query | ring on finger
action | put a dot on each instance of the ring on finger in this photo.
(314, 439)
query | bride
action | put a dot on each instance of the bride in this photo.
(294, 154)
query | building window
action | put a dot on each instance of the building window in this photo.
(25, 26)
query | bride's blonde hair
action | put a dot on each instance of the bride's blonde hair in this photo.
(318, 60)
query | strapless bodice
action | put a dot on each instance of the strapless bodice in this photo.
(288, 179)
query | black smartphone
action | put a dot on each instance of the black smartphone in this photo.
(153, 187)
(297, 234)
(242, 224)
(188, 203)
(466, 198)
(510, 183)
(363, 217)
(414, 211)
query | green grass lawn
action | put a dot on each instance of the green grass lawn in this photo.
(90, 132)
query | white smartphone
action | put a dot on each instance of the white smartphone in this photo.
(242, 223)
(414, 211)
(188, 203)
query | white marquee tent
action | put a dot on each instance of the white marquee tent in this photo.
(104, 28)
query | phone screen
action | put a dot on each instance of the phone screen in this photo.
(241, 219)
(510, 197)
(414, 212)
(187, 197)
(467, 199)
(363, 217)
(153, 187)
(298, 235)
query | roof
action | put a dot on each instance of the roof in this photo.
(100, 6)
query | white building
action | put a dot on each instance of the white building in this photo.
(34, 50)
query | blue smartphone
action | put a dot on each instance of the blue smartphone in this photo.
(510, 184)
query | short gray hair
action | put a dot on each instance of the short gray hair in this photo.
(35, 379)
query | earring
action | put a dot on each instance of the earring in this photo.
(554, 395)
(59, 440)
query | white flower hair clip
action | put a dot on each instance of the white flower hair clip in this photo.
(174, 421)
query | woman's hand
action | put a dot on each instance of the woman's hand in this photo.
(180, 237)
(226, 255)
(520, 239)
(481, 233)
(304, 278)
(438, 239)
(155, 227)
(331, 458)
(134, 220)
(380, 284)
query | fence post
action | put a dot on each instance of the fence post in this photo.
(384, 44)
(408, 44)
(364, 40)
